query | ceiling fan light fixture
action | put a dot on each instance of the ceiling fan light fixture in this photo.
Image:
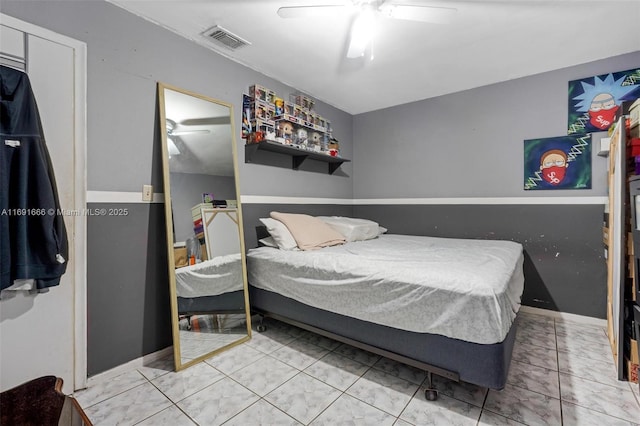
(388, 10)
(361, 33)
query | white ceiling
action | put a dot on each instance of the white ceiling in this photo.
(204, 138)
(487, 42)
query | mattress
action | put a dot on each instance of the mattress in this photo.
(460, 288)
(222, 274)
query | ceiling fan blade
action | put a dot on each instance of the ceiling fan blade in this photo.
(431, 14)
(310, 11)
(207, 121)
(188, 132)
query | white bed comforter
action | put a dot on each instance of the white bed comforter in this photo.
(459, 288)
(222, 274)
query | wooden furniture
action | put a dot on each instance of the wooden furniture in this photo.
(632, 292)
(72, 414)
(40, 402)
(633, 363)
(616, 230)
(221, 225)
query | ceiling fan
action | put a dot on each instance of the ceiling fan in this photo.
(181, 128)
(177, 129)
(362, 28)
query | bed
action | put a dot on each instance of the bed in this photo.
(212, 286)
(447, 306)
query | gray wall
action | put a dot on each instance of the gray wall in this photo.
(186, 192)
(470, 144)
(127, 283)
(128, 306)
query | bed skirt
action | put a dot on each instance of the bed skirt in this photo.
(232, 302)
(485, 365)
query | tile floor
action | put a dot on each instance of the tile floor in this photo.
(561, 373)
(198, 339)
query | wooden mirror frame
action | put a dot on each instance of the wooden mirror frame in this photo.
(179, 365)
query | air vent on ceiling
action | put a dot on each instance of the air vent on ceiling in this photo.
(225, 38)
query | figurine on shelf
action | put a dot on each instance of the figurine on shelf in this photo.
(270, 135)
(279, 104)
(285, 131)
(301, 137)
(315, 141)
(334, 147)
(289, 109)
(325, 142)
(255, 137)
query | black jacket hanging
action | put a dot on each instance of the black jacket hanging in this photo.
(33, 237)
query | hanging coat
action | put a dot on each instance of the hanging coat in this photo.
(33, 237)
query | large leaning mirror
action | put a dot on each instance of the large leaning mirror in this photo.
(209, 301)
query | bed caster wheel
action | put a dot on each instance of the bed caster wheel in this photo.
(431, 394)
(261, 328)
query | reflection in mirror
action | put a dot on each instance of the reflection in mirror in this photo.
(209, 302)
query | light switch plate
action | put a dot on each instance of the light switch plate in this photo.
(147, 192)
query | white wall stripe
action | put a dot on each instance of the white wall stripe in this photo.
(136, 197)
(258, 199)
(483, 200)
(266, 199)
(121, 197)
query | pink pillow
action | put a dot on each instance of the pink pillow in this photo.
(309, 232)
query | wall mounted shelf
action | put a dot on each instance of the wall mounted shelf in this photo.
(298, 155)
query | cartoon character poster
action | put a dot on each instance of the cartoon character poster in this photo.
(246, 115)
(594, 101)
(562, 162)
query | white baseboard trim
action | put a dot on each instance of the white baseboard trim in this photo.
(131, 365)
(565, 316)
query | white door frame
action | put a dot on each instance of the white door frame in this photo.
(79, 231)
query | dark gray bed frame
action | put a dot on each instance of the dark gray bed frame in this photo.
(226, 303)
(485, 365)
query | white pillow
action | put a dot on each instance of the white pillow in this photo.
(280, 234)
(353, 229)
(268, 242)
